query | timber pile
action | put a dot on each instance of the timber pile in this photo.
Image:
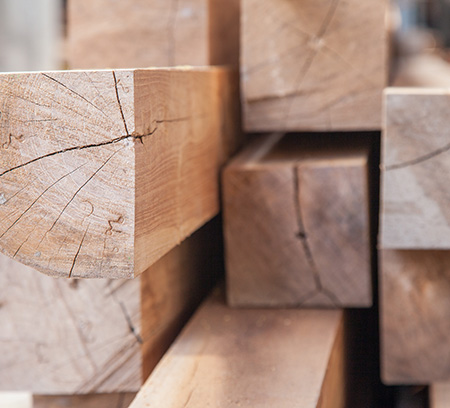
(112, 177)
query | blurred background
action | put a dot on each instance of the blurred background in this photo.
(31, 35)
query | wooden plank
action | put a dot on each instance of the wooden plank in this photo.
(104, 172)
(152, 33)
(440, 395)
(313, 64)
(66, 336)
(296, 223)
(415, 210)
(84, 401)
(256, 358)
(415, 316)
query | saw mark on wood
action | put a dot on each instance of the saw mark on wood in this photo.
(303, 237)
(110, 230)
(419, 159)
(6, 145)
(74, 92)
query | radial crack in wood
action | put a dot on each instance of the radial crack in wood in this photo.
(103, 172)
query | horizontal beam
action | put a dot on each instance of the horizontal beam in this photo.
(259, 358)
(104, 172)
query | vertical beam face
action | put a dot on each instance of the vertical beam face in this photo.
(296, 226)
(85, 336)
(254, 358)
(103, 172)
(68, 336)
(137, 33)
(67, 171)
(313, 64)
(416, 192)
(415, 316)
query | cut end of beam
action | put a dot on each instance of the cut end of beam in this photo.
(103, 172)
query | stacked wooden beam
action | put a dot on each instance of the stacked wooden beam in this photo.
(114, 174)
(104, 173)
(415, 261)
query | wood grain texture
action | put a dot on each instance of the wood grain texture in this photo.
(82, 336)
(103, 172)
(152, 33)
(440, 395)
(252, 358)
(415, 210)
(110, 34)
(67, 336)
(296, 224)
(84, 401)
(415, 316)
(313, 64)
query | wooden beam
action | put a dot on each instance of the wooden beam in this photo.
(152, 33)
(440, 395)
(313, 65)
(83, 336)
(415, 210)
(256, 358)
(415, 316)
(296, 223)
(104, 172)
(84, 401)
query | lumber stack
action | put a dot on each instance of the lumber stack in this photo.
(304, 202)
(103, 125)
(414, 259)
(118, 172)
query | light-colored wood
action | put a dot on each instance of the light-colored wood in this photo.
(84, 401)
(152, 33)
(296, 224)
(104, 172)
(415, 316)
(440, 395)
(16, 400)
(251, 358)
(423, 70)
(313, 64)
(415, 164)
(61, 336)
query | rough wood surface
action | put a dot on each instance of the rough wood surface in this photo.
(84, 401)
(103, 172)
(313, 64)
(415, 164)
(152, 33)
(297, 225)
(440, 395)
(415, 316)
(252, 358)
(62, 336)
